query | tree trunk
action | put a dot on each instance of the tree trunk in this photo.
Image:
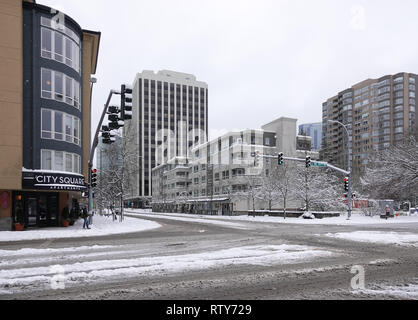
(121, 207)
(284, 208)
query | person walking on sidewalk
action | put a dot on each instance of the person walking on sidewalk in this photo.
(85, 216)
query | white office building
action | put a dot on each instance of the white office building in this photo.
(169, 114)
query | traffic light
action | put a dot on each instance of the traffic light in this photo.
(346, 184)
(308, 161)
(93, 181)
(113, 117)
(280, 159)
(107, 136)
(126, 102)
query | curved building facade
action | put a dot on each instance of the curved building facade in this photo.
(57, 60)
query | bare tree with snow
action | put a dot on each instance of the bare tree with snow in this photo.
(252, 190)
(284, 177)
(121, 165)
(317, 188)
(392, 173)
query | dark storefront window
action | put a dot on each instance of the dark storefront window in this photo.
(35, 209)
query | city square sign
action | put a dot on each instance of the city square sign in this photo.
(47, 180)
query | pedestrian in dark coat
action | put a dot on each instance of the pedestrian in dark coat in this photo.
(85, 216)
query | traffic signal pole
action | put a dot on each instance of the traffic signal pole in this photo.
(94, 146)
(349, 195)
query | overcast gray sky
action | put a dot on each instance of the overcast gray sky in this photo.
(261, 59)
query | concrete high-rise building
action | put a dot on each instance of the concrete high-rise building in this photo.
(379, 113)
(313, 130)
(169, 115)
(215, 171)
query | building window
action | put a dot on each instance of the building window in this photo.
(46, 43)
(60, 161)
(60, 45)
(267, 141)
(68, 90)
(53, 123)
(46, 132)
(58, 125)
(55, 84)
(46, 89)
(398, 87)
(46, 160)
(59, 86)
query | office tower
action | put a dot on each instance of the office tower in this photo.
(169, 115)
(313, 130)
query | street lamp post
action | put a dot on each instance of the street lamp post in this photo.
(349, 193)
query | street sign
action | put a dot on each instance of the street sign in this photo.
(318, 164)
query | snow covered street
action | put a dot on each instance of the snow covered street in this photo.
(174, 256)
(100, 263)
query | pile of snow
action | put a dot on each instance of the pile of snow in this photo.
(308, 215)
(101, 226)
(393, 238)
(407, 291)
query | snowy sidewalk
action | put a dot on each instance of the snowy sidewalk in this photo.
(101, 226)
(356, 219)
(391, 238)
